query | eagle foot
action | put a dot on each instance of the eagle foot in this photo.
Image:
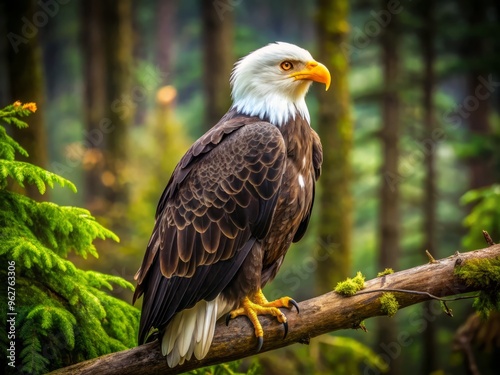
(258, 305)
(283, 302)
(287, 302)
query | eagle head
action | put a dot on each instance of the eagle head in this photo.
(272, 82)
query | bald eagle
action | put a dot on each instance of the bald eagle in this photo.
(234, 204)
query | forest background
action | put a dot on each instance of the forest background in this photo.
(410, 130)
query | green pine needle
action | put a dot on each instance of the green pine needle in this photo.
(22, 172)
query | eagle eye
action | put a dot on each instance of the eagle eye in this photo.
(286, 65)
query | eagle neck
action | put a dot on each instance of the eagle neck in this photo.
(278, 111)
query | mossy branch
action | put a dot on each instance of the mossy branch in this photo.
(326, 313)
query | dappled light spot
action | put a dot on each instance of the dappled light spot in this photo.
(108, 179)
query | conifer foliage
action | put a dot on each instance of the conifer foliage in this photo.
(63, 314)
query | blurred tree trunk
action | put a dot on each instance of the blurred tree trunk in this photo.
(478, 110)
(4, 83)
(120, 95)
(95, 100)
(165, 37)
(217, 19)
(496, 98)
(427, 36)
(389, 231)
(110, 102)
(24, 65)
(335, 130)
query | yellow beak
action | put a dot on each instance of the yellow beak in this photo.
(314, 71)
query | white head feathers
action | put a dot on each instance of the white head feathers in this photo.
(260, 87)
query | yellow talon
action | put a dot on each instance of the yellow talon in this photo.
(287, 302)
(257, 304)
(252, 310)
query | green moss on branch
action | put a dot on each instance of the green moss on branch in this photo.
(389, 304)
(483, 274)
(387, 271)
(351, 286)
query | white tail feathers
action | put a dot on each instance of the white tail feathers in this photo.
(191, 331)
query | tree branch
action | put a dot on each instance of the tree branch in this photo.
(326, 313)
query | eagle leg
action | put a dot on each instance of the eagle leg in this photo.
(256, 305)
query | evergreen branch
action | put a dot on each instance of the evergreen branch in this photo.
(9, 147)
(22, 171)
(99, 280)
(323, 314)
(60, 229)
(9, 115)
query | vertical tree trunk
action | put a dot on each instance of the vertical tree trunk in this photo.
(496, 99)
(335, 130)
(427, 36)
(95, 101)
(24, 63)
(217, 18)
(165, 36)
(107, 32)
(121, 97)
(4, 83)
(389, 230)
(478, 111)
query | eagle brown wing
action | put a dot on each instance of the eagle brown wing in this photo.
(219, 201)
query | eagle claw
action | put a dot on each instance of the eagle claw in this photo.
(285, 326)
(296, 305)
(228, 318)
(260, 342)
